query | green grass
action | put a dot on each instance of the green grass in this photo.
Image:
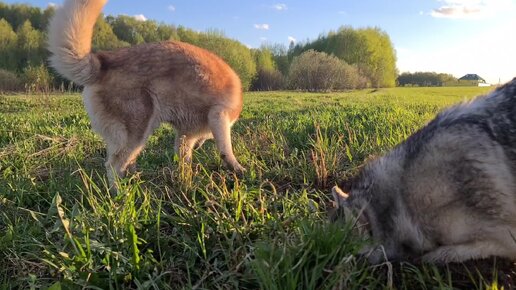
(201, 227)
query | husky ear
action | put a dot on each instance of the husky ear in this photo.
(339, 197)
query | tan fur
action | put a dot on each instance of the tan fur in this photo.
(131, 91)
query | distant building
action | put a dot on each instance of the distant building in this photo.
(473, 80)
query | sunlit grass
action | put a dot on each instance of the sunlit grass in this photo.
(176, 227)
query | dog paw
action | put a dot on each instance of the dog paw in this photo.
(239, 169)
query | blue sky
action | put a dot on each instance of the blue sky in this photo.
(451, 36)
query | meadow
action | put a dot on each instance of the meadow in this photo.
(174, 226)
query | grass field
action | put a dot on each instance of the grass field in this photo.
(178, 227)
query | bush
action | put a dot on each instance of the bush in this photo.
(352, 78)
(9, 82)
(318, 71)
(370, 49)
(37, 79)
(269, 80)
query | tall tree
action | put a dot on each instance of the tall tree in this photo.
(8, 40)
(167, 32)
(104, 38)
(30, 46)
(381, 63)
(136, 31)
(46, 16)
(263, 58)
(267, 77)
(17, 14)
(281, 57)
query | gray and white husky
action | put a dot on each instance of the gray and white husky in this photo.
(448, 192)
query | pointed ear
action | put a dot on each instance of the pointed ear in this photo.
(339, 196)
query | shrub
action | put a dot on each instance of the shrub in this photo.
(318, 71)
(9, 82)
(352, 78)
(37, 79)
(370, 49)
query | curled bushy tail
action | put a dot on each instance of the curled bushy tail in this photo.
(69, 40)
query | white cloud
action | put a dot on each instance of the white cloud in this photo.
(291, 39)
(171, 8)
(263, 38)
(140, 17)
(280, 6)
(460, 9)
(263, 26)
(52, 4)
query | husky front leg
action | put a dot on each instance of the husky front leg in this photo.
(462, 252)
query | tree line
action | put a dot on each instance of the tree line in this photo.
(425, 79)
(347, 58)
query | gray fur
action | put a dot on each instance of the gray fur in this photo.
(448, 192)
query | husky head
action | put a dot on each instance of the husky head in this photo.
(373, 203)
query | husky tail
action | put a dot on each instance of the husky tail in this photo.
(69, 40)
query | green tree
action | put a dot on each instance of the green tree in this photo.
(380, 66)
(281, 57)
(167, 32)
(17, 14)
(104, 38)
(268, 77)
(447, 78)
(46, 16)
(135, 31)
(425, 79)
(30, 46)
(263, 58)
(8, 40)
